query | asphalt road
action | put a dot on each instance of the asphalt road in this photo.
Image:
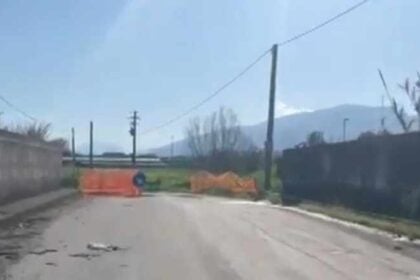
(174, 237)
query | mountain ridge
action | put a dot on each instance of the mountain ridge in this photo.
(292, 129)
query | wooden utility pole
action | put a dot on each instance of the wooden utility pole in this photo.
(73, 149)
(91, 145)
(270, 122)
(133, 132)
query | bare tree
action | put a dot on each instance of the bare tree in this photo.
(398, 110)
(413, 94)
(219, 132)
(217, 143)
(39, 131)
(194, 137)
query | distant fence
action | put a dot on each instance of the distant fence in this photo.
(379, 174)
(27, 166)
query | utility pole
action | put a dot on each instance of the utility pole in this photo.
(270, 122)
(345, 120)
(73, 150)
(91, 145)
(133, 133)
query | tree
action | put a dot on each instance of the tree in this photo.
(219, 132)
(315, 138)
(217, 143)
(62, 144)
(39, 131)
(399, 110)
(413, 94)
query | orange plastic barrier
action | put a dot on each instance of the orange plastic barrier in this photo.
(204, 180)
(117, 182)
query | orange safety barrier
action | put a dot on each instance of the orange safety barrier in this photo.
(203, 181)
(117, 182)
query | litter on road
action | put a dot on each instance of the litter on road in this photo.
(102, 247)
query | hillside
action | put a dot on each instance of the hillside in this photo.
(293, 129)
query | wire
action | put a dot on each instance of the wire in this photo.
(207, 99)
(246, 69)
(8, 103)
(322, 24)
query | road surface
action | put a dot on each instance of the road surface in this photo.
(178, 237)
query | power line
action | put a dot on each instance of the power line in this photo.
(246, 69)
(208, 98)
(11, 105)
(322, 24)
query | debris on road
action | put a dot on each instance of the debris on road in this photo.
(51, 263)
(102, 247)
(43, 252)
(87, 256)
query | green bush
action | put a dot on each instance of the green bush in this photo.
(167, 179)
(274, 197)
(70, 179)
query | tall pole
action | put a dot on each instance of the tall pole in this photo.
(133, 132)
(91, 145)
(270, 122)
(345, 120)
(73, 149)
(134, 137)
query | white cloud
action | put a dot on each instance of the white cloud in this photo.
(283, 109)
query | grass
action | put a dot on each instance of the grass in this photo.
(272, 195)
(168, 179)
(177, 180)
(70, 178)
(397, 226)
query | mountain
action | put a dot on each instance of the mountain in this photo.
(292, 129)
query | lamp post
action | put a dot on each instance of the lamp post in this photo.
(345, 120)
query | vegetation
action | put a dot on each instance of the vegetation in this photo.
(218, 145)
(413, 93)
(70, 177)
(315, 138)
(168, 179)
(39, 131)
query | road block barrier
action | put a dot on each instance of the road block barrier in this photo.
(115, 182)
(203, 181)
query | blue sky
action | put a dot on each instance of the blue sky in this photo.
(68, 62)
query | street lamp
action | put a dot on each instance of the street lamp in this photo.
(345, 120)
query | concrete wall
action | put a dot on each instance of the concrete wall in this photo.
(379, 174)
(27, 167)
